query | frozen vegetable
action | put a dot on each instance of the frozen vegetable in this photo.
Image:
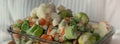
(61, 26)
(32, 29)
(87, 38)
(25, 26)
(81, 17)
(38, 32)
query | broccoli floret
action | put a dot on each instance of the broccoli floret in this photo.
(87, 38)
(81, 17)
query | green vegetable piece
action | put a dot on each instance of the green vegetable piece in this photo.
(72, 21)
(53, 31)
(65, 13)
(38, 31)
(81, 28)
(92, 39)
(18, 25)
(81, 17)
(63, 23)
(70, 32)
(87, 38)
(67, 42)
(64, 38)
(97, 36)
(25, 26)
(32, 29)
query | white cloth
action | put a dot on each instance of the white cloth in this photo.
(112, 15)
(97, 10)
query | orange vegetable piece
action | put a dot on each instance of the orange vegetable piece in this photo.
(15, 36)
(29, 18)
(30, 21)
(31, 24)
(46, 37)
(54, 35)
(11, 42)
(66, 20)
(42, 21)
(62, 31)
(43, 43)
(49, 29)
(47, 23)
(38, 42)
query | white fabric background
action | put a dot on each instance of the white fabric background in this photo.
(112, 14)
(97, 10)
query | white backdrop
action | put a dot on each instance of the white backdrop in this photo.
(97, 10)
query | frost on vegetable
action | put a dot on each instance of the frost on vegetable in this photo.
(100, 28)
(70, 33)
(49, 24)
(81, 17)
(87, 38)
(63, 12)
(103, 29)
(34, 13)
(41, 12)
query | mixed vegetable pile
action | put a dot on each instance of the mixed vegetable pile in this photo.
(59, 24)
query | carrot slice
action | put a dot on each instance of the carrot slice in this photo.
(48, 23)
(66, 20)
(29, 18)
(49, 30)
(30, 21)
(15, 36)
(46, 37)
(62, 31)
(42, 21)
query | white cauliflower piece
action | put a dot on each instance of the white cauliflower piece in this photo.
(34, 13)
(61, 8)
(56, 19)
(51, 8)
(41, 12)
(100, 28)
(103, 29)
(45, 11)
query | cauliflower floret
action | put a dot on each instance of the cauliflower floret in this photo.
(46, 11)
(56, 18)
(34, 13)
(103, 29)
(51, 7)
(55, 21)
(87, 38)
(61, 8)
(41, 12)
